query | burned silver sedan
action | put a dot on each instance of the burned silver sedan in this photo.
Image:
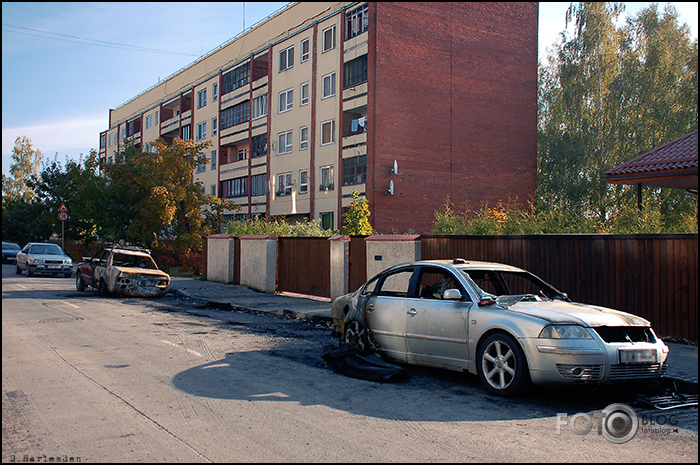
(500, 322)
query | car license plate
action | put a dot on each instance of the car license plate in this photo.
(638, 356)
(54, 267)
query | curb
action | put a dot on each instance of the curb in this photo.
(305, 316)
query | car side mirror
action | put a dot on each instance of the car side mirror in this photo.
(452, 294)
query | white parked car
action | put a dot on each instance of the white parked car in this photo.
(43, 258)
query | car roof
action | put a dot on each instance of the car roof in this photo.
(462, 264)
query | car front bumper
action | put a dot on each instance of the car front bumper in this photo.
(592, 361)
(50, 269)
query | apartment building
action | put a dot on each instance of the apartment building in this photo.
(407, 103)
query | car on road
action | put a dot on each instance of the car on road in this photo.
(499, 322)
(9, 252)
(43, 258)
(125, 270)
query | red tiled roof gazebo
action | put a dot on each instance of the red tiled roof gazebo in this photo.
(674, 164)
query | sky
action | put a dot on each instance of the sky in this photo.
(64, 65)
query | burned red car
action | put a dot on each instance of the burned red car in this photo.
(122, 270)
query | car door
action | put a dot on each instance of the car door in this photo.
(437, 330)
(386, 312)
(90, 274)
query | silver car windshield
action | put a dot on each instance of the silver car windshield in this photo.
(46, 250)
(510, 287)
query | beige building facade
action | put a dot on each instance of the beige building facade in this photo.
(300, 117)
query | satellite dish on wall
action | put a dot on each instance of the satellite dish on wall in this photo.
(391, 187)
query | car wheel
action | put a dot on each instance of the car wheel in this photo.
(18, 270)
(502, 365)
(79, 283)
(356, 335)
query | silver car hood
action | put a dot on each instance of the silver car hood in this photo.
(46, 256)
(572, 312)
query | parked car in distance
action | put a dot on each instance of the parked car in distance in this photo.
(9, 252)
(499, 322)
(122, 270)
(43, 258)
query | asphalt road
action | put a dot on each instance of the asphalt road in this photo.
(112, 379)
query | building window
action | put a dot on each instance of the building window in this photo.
(355, 72)
(328, 86)
(237, 114)
(213, 160)
(326, 178)
(303, 181)
(258, 146)
(286, 100)
(123, 133)
(285, 143)
(304, 50)
(110, 140)
(304, 138)
(202, 98)
(258, 185)
(235, 78)
(304, 94)
(328, 132)
(202, 167)
(201, 131)
(356, 22)
(286, 58)
(329, 39)
(260, 106)
(284, 184)
(214, 91)
(186, 133)
(242, 154)
(157, 114)
(327, 220)
(149, 121)
(212, 189)
(213, 126)
(355, 170)
(234, 187)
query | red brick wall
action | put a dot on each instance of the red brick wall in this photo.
(452, 98)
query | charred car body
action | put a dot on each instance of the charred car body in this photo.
(497, 321)
(122, 270)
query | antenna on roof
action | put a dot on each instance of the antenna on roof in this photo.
(243, 16)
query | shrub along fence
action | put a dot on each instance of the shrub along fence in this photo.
(654, 276)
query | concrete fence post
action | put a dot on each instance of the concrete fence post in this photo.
(386, 251)
(259, 262)
(220, 255)
(340, 248)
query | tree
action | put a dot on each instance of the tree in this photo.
(356, 220)
(80, 187)
(26, 162)
(607, 95)
(151, 199)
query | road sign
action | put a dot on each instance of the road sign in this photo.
(63, 216)
(63, 209)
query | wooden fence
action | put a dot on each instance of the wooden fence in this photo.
(303, 265)
(653, 276)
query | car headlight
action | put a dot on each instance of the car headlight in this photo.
(39, 262)
(564, 332)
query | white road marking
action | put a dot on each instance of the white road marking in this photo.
(180, 345)
(68, 303)
(23, 287)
